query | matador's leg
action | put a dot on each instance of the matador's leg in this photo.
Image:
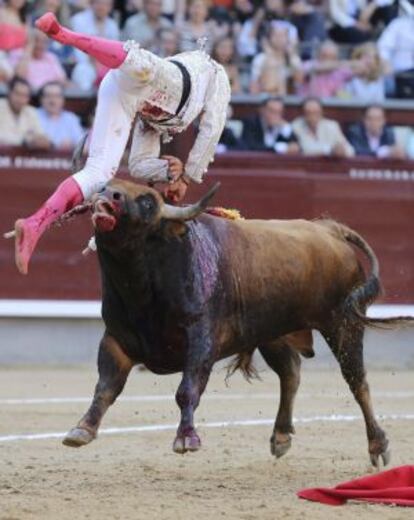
(114, 116)
(108, 52)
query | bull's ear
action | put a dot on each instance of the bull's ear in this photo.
(173, 228)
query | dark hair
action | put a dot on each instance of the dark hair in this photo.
(269, 99)
(16, 80)
(41, 92)
(217, 43)
(308, 99)
(373, 105)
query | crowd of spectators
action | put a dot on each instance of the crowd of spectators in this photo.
(313, 134)
(318, 47)
(349, 49)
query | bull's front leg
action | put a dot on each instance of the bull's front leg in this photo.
(113, 366)
(197, 370)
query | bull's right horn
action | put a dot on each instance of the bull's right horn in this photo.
(189, 212)
(77, 154)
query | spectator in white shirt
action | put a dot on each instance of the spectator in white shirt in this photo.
(396, 44)
(396, 47)
(62, 127)
(19, 122)
(318, 135)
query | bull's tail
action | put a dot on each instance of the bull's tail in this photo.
(363, 295)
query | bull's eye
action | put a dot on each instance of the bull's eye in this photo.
(147, 205)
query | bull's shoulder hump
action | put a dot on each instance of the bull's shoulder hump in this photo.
(275, 224)
(299, 230)
(292, 227)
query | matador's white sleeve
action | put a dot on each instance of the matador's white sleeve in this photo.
(144, 162)
(211, 126)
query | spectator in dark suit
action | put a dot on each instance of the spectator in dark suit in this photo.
(268, 131)
(373, 137)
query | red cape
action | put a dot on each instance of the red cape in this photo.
(395, 486)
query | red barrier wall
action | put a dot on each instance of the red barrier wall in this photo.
(374, 197)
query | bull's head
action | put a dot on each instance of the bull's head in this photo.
(122, 204)
(132, 208)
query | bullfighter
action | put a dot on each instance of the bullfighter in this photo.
(167, 95)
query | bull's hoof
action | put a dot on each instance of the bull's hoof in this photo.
(184, 443)
(383, 457)
(78, 437)
(278, 448)
(379, 451)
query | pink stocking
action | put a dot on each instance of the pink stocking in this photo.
(29, 230)
(108, 52)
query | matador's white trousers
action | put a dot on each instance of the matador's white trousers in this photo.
(120, 97)
(115, 113)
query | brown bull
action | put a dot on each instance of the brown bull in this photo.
(183, 290)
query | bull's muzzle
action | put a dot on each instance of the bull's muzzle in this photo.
(105, 214)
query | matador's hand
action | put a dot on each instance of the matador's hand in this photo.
(175, 166)
(176, 191)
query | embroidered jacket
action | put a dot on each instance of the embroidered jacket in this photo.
(159, 82)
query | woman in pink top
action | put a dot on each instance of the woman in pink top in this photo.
(36, 64)
(13, 30)
(327, 75)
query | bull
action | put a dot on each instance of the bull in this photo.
(183, 289)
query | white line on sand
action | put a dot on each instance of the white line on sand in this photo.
(216, 424)
(403, 394)
(88, 309)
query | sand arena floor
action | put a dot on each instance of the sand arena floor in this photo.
(130, 472)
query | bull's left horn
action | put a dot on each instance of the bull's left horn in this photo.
(189, 212)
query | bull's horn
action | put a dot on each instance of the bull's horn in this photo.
(77, 154)
(10, 234)
(189, 212)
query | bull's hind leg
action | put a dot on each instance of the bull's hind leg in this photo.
(346, 342)
(113, 367)
(286, 363)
